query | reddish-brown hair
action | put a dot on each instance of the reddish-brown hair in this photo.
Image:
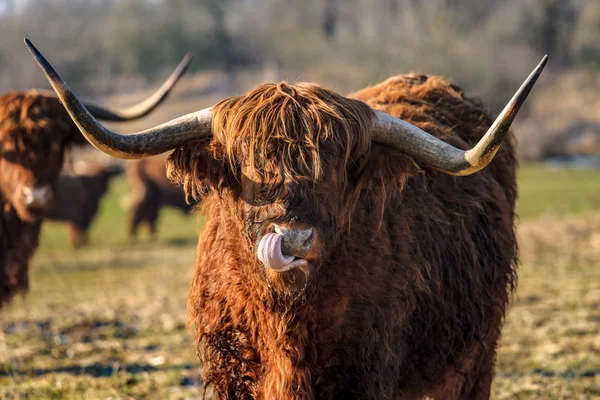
(408, 301)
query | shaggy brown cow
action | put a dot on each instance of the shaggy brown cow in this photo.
(344, 255)
(34, 132)
(151, 190)
(77, 198)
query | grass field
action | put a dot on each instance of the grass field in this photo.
(108, 322)
(557, 192)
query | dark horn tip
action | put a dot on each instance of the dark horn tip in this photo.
(32, 49)
(44, 64)
(540, 67)
(538, 70)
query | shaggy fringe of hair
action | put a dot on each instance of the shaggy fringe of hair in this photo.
(280, 127)
(297, 125)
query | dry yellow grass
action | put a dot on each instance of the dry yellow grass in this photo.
(551, 341)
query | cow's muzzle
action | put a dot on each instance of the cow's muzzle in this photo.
(37, 199)
(286, 247)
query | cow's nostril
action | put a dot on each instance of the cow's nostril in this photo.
(309, 239)
(295, 242)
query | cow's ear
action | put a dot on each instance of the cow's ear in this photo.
(197, 168)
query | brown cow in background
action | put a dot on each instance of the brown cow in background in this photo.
(151, 190)
(35, 130)
(352, 249)
(77, 197)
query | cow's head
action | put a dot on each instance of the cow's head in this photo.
(285, 161)
(34, 131)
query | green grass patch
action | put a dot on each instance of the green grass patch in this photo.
(544, 190)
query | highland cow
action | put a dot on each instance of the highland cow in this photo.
(346, 253)
(77, 197)
(35, 130)
(152, 190)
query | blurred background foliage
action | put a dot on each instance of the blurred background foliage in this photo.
(485, 46)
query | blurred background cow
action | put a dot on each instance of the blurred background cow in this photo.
(77, 196)
(150, 191)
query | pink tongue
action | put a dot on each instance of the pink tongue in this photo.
(269, 252)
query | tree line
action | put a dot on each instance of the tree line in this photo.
(487, 46)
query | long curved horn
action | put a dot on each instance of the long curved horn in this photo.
(424, 147)
(147, 143)
(141, 109)
(146, 106)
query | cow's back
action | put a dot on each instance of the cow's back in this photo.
(443, 110)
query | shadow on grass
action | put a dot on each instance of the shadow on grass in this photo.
(96, 370)
(180, 241)
(89, 265)
(588, 373)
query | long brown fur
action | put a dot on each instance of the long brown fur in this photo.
(34, 132)
(408, 293)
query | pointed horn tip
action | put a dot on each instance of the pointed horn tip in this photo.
(33, 50)
(50, 72)
(186, 60)
(30, 46)
(535, 74)
(540, 67)
(184, 64)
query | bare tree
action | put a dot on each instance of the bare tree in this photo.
(330, 18)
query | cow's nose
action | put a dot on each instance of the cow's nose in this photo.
(38, 197)
(295, 242)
